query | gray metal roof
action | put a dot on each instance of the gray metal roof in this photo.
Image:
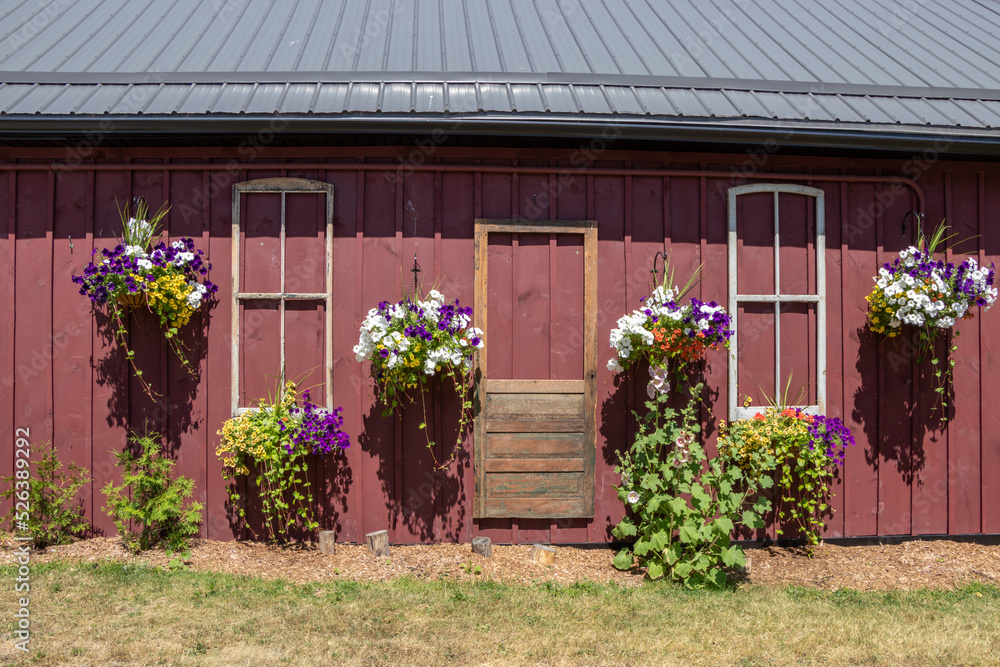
(916, 66)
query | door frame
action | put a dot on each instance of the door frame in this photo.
(588, 229)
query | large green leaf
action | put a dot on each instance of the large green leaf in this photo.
(659, 540)
(733, 556)
(752, 519)
(688, 533)
(623, 561)
(641, 548)
(655, 570)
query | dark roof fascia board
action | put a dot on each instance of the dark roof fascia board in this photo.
(555, 78)
(822, 136)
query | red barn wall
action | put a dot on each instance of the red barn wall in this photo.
(69, 385)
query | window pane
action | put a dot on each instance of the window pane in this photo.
(260, 351)
(797, 245)
(755, 234)
(305, 242)
(261, 245)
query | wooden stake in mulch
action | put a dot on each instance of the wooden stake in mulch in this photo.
(543, 554)
(327, 540)
(482, 546)
(378, 542)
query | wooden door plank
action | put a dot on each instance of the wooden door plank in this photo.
(524, 425)
(534, 445)
(535, 507)
(534, 406)
(534, 465)
(534, 386)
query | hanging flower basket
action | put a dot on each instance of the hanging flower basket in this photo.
(169, 280)
(410, 342)
(929, 294)
(131, 299)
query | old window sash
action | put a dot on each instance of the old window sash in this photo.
(282, 186)
(736, 409)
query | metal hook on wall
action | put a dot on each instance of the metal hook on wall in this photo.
(916, 216)
(415, 283)
(662, 255)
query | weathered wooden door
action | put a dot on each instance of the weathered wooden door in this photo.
(535, 429)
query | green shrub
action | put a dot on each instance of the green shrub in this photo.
(150, 499)
(49, 493)
(682, 506)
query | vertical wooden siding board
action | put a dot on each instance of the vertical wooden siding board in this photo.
(350, 389)
(990, 375)
(186, 400)
(714, 287)
(930, 450)
(896, 399)
(571, 204)
(860, 361)
(416, 469)
(835, 336)
(33, 302)
(964, 427)
(146, 415)
(380, 251)
(457, 258)
(590, 367)
(613, 399)
(71, 326)
(8, 243)
(215, 201)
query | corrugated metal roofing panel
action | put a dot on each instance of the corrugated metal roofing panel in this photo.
(686, 101)
(363, 97)
(559, 99)
(526, 98)
(332, 98)
(266, 98)
(429, 98)
(591, 99)
(747, 104)
(166, 99)
(396, 98)
(233, 98)
(655, 101)
(299, 98)
(623, 100)
(717, 104)
(836, 108)
(41, 99)
(461, 98)
(494, 97)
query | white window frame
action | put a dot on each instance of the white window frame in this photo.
(736, 409)
(282, 186)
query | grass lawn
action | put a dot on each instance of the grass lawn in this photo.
(109, 613)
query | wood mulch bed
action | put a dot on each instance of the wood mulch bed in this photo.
(915, 564)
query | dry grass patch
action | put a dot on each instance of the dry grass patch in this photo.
(122, 613)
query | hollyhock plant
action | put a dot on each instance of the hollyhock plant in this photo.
(169, 280)
(410, 342)
(272, 441)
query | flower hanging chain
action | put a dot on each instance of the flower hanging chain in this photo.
(413, 340)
